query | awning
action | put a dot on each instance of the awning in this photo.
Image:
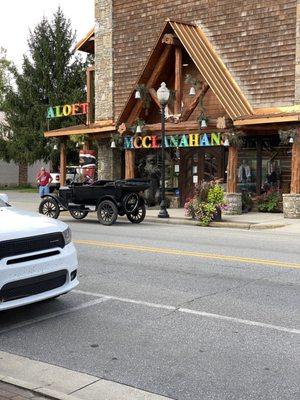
(271, 118)
(97, 127)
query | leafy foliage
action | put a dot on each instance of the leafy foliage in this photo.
(208, 198)
(270, 201)
(4, 75)
(51, 75)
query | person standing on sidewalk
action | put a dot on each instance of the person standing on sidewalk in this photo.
(43, 179)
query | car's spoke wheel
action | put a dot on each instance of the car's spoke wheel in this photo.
(78, 214)
(138, 215)
(49, 207)
(107, 212)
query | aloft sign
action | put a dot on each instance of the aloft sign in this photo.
(67, 110)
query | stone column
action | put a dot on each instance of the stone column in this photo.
(291, 202)
(109, 161)
(233, 199)
(103, 60)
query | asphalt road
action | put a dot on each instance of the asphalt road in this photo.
(190, 313)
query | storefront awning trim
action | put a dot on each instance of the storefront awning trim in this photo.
(99, 127)
(267, 119)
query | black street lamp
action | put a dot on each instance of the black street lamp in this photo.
(163, 95)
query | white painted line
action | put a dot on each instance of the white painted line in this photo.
(193, 312)
(125, 300)
(240, 321)
(53, 315)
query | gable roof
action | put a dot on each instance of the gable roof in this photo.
(87, 44)
(209, 64)
(212, 68)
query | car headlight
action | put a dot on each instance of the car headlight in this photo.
(67, 234)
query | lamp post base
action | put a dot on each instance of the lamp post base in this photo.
(163, 213)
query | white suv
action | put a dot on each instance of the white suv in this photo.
(38, 261)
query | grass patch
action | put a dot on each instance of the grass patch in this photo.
(21, 188)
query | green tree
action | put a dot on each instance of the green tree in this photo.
(4, 75)
(52, 74)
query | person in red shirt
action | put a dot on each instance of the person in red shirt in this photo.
(43, 179)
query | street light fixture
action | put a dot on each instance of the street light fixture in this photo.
(163, 95)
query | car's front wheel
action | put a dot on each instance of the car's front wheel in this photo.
(49, 207)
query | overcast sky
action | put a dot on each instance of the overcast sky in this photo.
(17, 17)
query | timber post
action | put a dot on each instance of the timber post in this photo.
(233, 199)
(291, 201)
(63, 162)
(295, 178)
(232, 170)
(129, 164)
(178, 80)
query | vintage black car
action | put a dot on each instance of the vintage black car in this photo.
(108, 198)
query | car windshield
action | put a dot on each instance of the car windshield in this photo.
(2, 203)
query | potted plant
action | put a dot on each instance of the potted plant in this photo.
(207, 203)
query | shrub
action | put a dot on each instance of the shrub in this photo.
(208, 198)
(270, 201)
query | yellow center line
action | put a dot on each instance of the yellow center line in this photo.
(186, 253)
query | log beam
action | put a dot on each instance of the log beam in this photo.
(153, 95)
(129, 164)
(178, 80)
(183, 126)
(295, 179)
(63, 162)
(232, 170)
(151, 82)
(191, 107)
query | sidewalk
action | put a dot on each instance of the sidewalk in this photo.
(46, 381)
(251, 220)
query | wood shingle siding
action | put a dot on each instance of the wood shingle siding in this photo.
(256, 40)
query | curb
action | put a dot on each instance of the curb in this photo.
(59, 383)
(224, 224)
(48, 393)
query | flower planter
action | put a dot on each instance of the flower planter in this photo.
(218, 215)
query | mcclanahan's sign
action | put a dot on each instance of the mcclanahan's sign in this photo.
(182, 140)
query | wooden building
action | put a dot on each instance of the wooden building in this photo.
(241, 57)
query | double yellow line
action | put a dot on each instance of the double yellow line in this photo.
(185, 253)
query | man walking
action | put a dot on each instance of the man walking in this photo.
(43, 179)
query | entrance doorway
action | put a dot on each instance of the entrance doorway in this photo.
(199, 164)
